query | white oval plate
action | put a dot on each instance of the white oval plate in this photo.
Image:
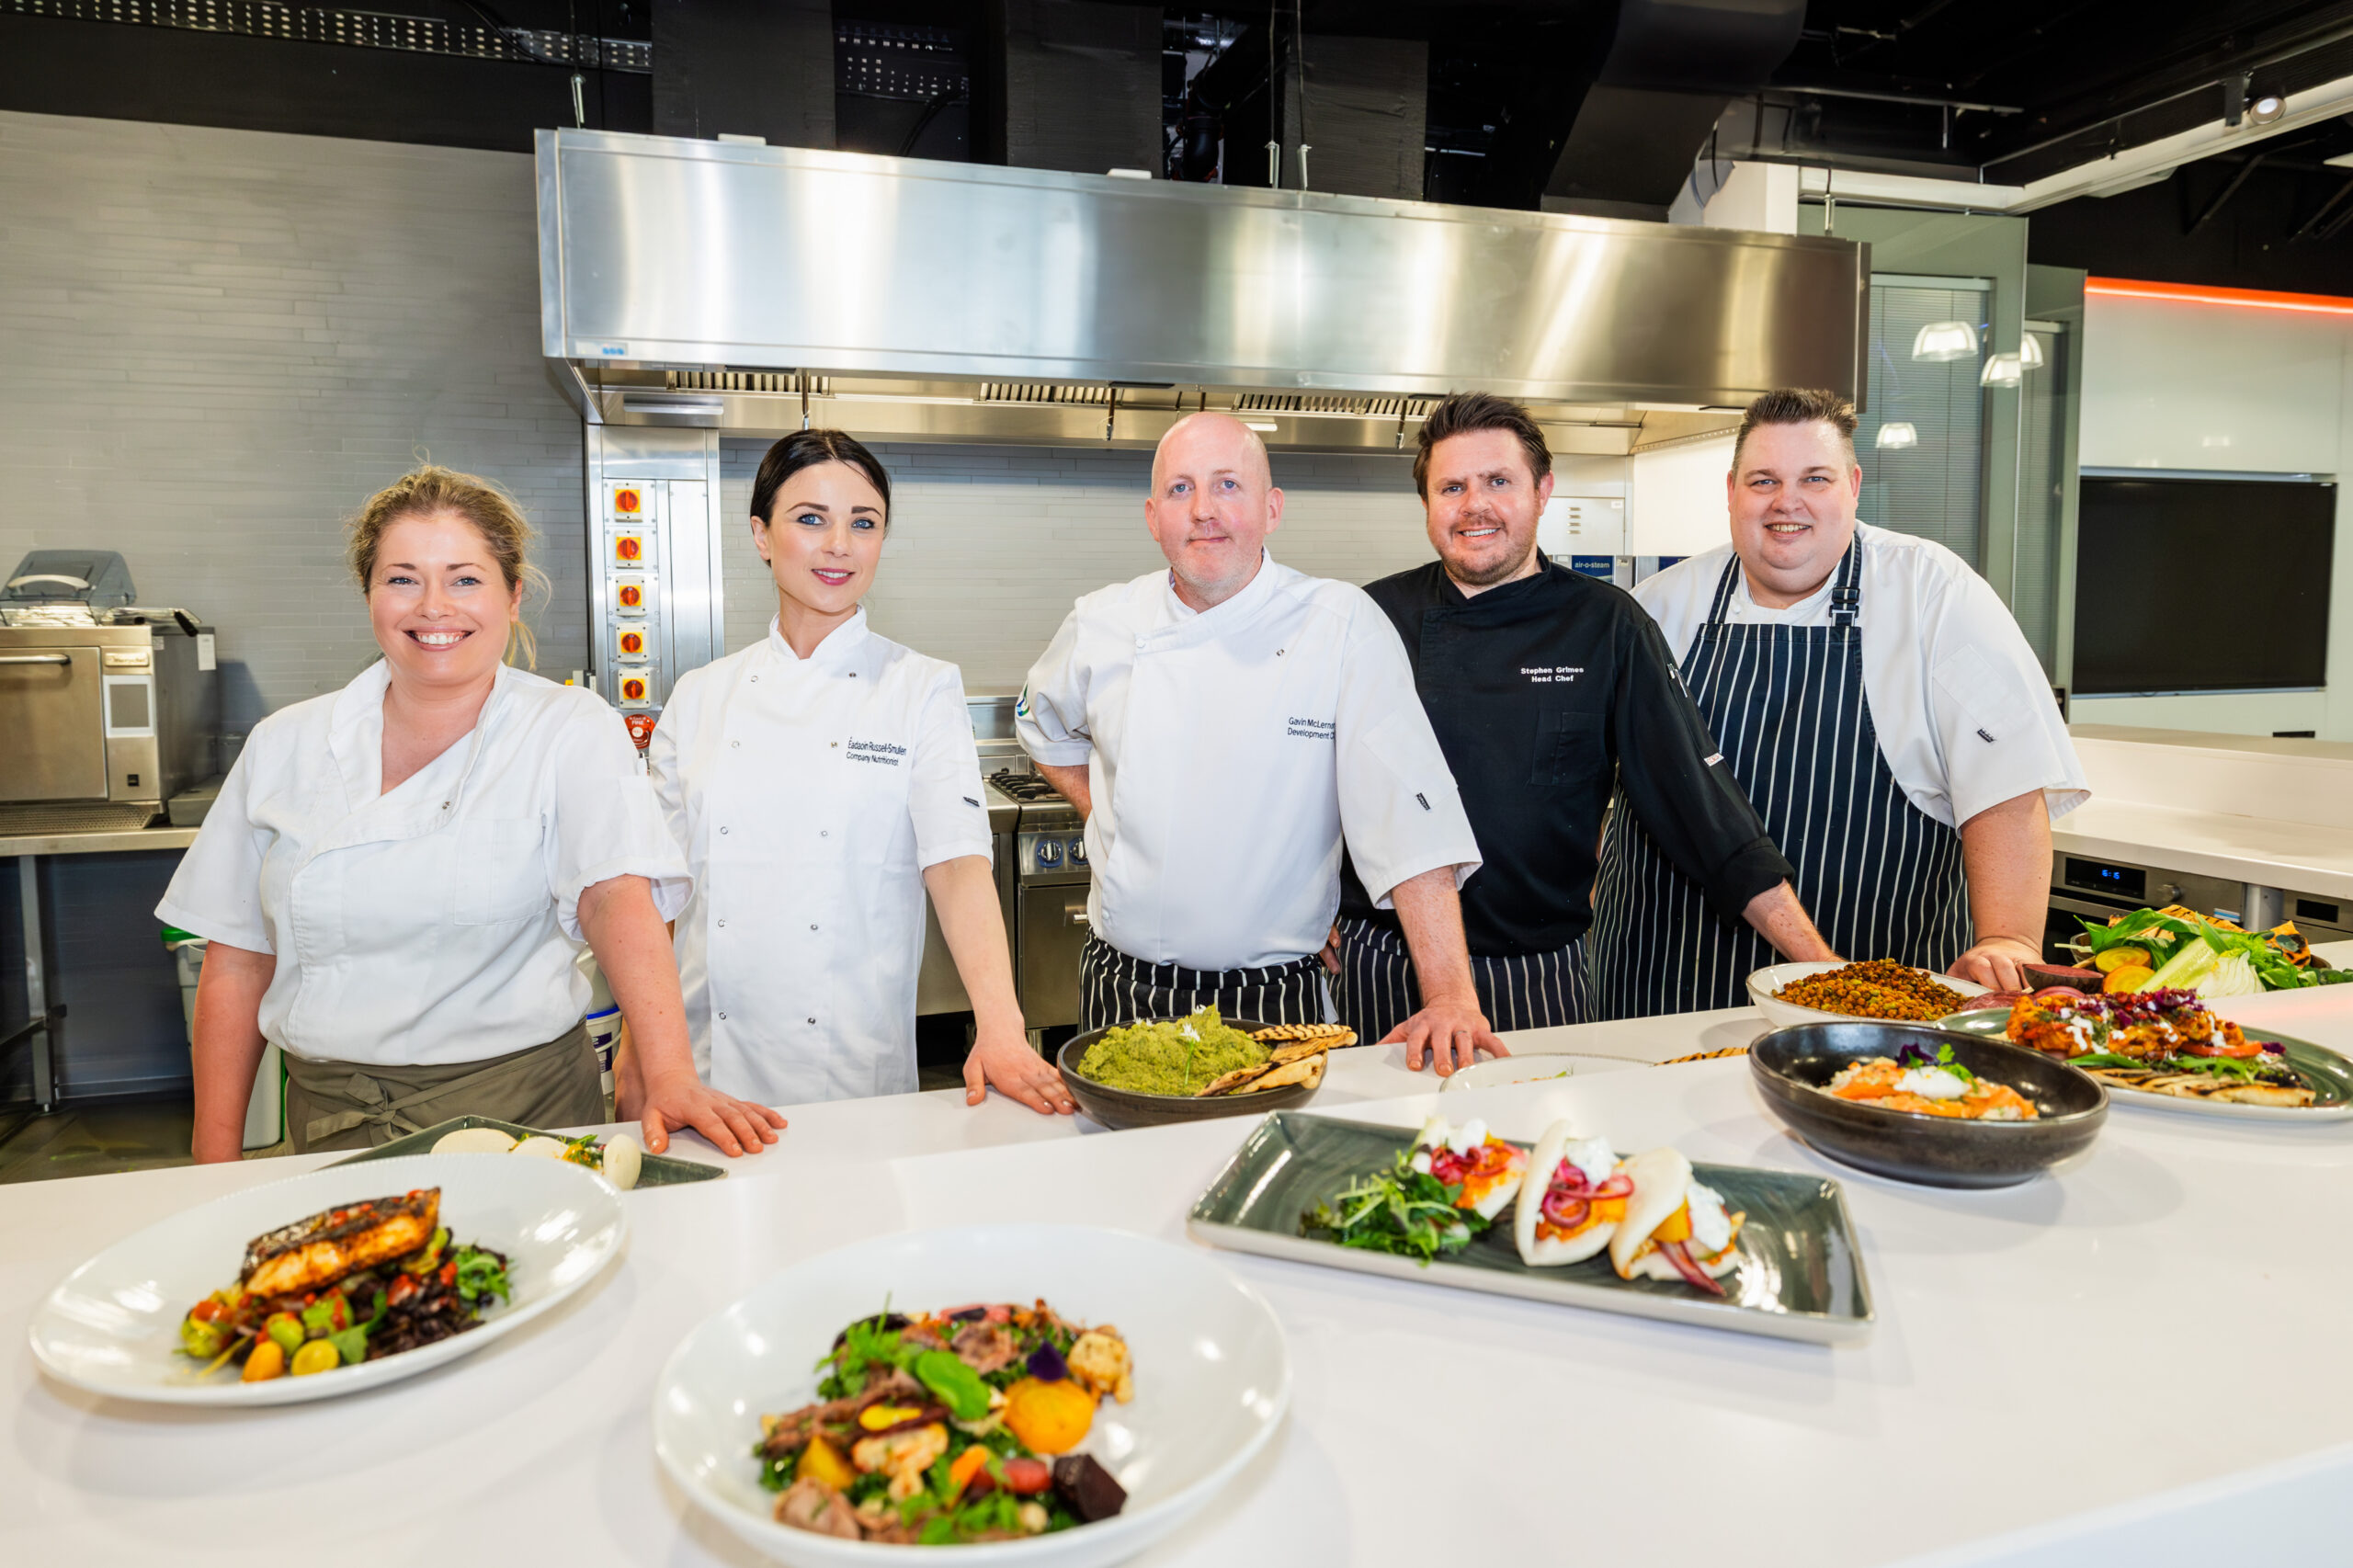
(112, 1325)
(1212, 1376)
(1535, 1067)
(1780, 1015)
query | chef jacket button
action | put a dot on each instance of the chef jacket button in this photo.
(1140, 642)
(734, 742)
(723, 830)
(825, 832)
(812, 1020)
(813, 924)
(722, 923)
(723, 1017)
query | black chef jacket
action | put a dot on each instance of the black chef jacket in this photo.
(1547, 694)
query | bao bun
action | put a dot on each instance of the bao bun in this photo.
(1543, 1252)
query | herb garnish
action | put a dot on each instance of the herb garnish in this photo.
(1400, 1211)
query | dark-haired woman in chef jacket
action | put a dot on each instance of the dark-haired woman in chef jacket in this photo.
(398, 876)
(820, 781)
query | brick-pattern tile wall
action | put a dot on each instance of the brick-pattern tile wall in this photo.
(989, 545)
(217, 342)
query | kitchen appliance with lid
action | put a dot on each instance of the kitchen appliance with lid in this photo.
(1050, 878)
(110, 708)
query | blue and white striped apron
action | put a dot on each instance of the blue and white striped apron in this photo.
(1377, 989)
(1882, 878)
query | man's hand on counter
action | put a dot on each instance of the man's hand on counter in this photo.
(1006, 1060)
(1994, 962)
(682, 1100)
(1451, 1033)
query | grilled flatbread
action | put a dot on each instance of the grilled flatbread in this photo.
(2200, 1086)
(1704, 1055)
(1225, 1082)
(1308, 1069)
(1331, 1034)
(1291, 1051)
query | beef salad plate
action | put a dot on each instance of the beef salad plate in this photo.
(323, 1284)
(1014, 1393)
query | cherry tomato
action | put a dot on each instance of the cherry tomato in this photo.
(1027, 1475)
(208, 1311)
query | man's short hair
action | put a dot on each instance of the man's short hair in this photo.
(1799, 406)
(1466, 413)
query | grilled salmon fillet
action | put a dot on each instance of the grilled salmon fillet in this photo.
(317, 1252)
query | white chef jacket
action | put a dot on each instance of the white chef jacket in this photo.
(1229, 750)
(809, 796)
(438, 924)
(1965, 718)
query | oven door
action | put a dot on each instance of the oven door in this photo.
(51, 710)
(1052, 917)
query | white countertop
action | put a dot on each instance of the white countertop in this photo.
(2277, 813)
(2050, 1360)
(2306, 858)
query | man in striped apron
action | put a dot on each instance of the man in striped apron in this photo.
(1222, 725)
(1548, 690)
(1879, 705)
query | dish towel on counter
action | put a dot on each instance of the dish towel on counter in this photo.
(1378, 989)
(337, 1105)
(1116, 989)
(1882, 878)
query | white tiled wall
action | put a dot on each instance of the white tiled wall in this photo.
(215, 343)
(989, 545)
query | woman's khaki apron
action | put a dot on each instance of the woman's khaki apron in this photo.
(343, 1104)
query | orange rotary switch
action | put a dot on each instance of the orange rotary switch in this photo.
(632, 597)
(632, 644)
(628, 503)
(629, 549)
(632, 689)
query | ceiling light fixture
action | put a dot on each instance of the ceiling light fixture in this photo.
(1895, 435)
(2030, 352)
(1255, 425)
(2002, 370)
(2266, 109)
(1942, 340)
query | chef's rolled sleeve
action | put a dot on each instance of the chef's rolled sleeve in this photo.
(1049, 718)
(944, 799)
(216, 891)
(1999, 730)
(1400, 812)
(605, 820)
(1678, 785)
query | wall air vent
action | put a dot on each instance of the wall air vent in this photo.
(1360, 407)
(1043, 392)
(785, 381)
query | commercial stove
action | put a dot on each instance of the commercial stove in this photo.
(1050, 878)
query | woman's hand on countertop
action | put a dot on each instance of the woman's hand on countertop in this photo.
(681, 1100)
(1005, 1059)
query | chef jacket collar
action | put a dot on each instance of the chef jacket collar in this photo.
(1191, 626)
(836, 652)
(356, 740)
(1451, 594)
(1807, 609)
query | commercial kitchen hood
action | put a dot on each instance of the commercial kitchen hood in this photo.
(755, 290)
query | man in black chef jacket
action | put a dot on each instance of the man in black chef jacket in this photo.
(1549, 692)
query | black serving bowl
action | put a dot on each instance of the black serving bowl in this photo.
(1120, 1108)
(1794, 1066)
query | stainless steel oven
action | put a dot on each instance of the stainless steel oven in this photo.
(104, 723)
(1050, 878)
(2084, 888)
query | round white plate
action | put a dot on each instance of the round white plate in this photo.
(112, 1325)
(1780, 1015)
(1535, 1067)
(1212, 1377)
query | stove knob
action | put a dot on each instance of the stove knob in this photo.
(1048, 852)
(1078, 852)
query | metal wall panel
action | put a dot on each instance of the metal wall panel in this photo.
(656, 251)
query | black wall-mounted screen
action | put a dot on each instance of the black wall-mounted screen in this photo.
(2202, 584)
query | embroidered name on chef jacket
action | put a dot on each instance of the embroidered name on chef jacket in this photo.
(883, 752)
(1545, 674)
(1311, 729)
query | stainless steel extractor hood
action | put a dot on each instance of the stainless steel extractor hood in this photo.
(755, 290)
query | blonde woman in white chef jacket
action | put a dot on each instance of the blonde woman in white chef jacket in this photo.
(397, 874)
(820, 781)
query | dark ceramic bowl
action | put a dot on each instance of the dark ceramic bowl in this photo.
(1120, 1108)
(1793, 1068)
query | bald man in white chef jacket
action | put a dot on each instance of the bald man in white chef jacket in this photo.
(1223, 725)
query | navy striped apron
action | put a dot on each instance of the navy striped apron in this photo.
(1114, 988)
(1882, 878)
(1377, 990)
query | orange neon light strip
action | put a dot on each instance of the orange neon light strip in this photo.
(2200, 294)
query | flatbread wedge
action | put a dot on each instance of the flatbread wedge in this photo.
(1330, 1033)
(2201, 1087)
(1292, 1050)
(1308, 1069)
(1226, 1082)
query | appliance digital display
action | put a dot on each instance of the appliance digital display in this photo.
(2202, 584)
(2093, 876)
